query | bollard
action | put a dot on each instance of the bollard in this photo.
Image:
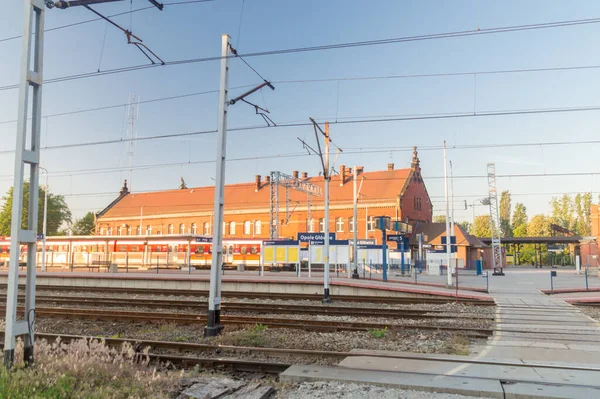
(552, 275)
(487, 281)
(587, 288)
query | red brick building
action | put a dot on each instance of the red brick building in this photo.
(397, 193)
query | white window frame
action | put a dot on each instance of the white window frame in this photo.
(321, 225)
(231, 228)
(257, 227)
(351, 224)
(148, 230)
(371, 223)
(206, 229)
(182, 228)
(339, 225)
(194, 228)
(170, 229)
(247, 228)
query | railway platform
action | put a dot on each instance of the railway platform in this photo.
(542, 347)
(247, 282)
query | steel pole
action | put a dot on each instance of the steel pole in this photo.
(214, 326)
(355, 227)
(326, 298)
(45, 222)
(448, 246)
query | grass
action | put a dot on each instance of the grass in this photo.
(378, 332)
(252, 336)
(260, 327)
(457, 344)
(85, 369)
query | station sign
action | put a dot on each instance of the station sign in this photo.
(331, 242)
(306, 237)
(204, 239)
(366, 241)
(281, 242)
(369, 247)
(40, 236)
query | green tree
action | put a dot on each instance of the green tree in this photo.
(582, 207)
(466, 226)
(539, 226)
(58, 211)
(519, 220)
(439, 219)
(85, 226)
(563, 211)
(481, 226)
(505, 226)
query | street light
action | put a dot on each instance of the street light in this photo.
(45, 220)
(483, 201)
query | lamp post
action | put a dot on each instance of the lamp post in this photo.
(483, 201)
(45, 221)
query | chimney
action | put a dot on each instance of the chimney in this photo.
(304, 175)
(257, 183)
(415, 159)
(359, 169)
(390, 166)
(267, 179)
(342, 174)
(124, 189)
(295, 174)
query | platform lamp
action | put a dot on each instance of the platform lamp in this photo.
(383, 223)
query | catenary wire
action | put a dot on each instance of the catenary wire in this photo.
(435, 36)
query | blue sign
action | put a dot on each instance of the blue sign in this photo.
(331, 242)
(306, 237)
(366, 241)
(203, 239)
(395, 237)
(281, 242)
(369, 247)
(40, 236)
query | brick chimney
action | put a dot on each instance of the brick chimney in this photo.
(342, 174)
(304, 175)
(295, 174)
(267, 179)
(415, 159)
(257, 183)
(390, 166)
(124, 189)
(359, 169)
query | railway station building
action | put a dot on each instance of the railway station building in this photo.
(398, 193)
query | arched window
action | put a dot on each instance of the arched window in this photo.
(194, 228)
(231, 228)
(138, 230)
(321, 225)
(206, 229)
(148, 230)
(339, 225)
(257, 227)
(128, 230)
(351, 224)
(109, 231)
(120, 231)
(311, 225)
(247, 228)
(170, 229)
(182, 228)
(101, 231)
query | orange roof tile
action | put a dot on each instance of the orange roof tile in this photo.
(379, 186)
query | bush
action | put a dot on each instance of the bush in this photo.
(378, 332)
(85, 368)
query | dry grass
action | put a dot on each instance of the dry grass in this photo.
(457, 344)
(85, 369)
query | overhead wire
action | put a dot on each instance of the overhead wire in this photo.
(435, 36)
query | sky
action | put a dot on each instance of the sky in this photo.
(90, 176)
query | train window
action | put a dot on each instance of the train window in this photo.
(122, 248)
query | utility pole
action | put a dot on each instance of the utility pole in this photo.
(327, 176)
(214, 326)
(45, 222)
(448, 239)
(31, 77)
(355, 219)
(452, 200)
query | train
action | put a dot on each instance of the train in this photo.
(138, 252)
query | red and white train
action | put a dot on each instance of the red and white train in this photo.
(170, 251)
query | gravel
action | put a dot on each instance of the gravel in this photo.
(592, 311)
(322, 389)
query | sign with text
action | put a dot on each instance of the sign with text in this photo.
(203, 239)
(306, 237)
(366, 241)
(280, 242)
(331, 242)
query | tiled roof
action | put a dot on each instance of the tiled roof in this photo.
(379, 186)
(435, 231)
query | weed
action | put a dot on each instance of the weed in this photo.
(181, 339)
(260, 327)
(378, 332)
(116, 336)
(457, 344)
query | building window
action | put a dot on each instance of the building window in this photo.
(311, 226)
(257, 227)
(247, 228)
(321, 225)
(194, 228)
(138, 230)
(101, 231)
(417, 203)
(339, 225)
(206, 229)
(120, 231)
(128, 230)
(170, 229)
(182, 228)
(232, 228)
(351, 224)
(148, 230)
(370, 223)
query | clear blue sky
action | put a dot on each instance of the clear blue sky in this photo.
(193, 30)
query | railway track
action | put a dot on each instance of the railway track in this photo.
(201, 306)
(265, 295)
(182, 318)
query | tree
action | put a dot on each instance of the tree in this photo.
(466, 226)
(58, 211)
(505, 227)
(519, 220)
(85, 226)
(539, 226)
(481, 226)
(563, 211)
(439, 219)
(182, 184)
(582, 207)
